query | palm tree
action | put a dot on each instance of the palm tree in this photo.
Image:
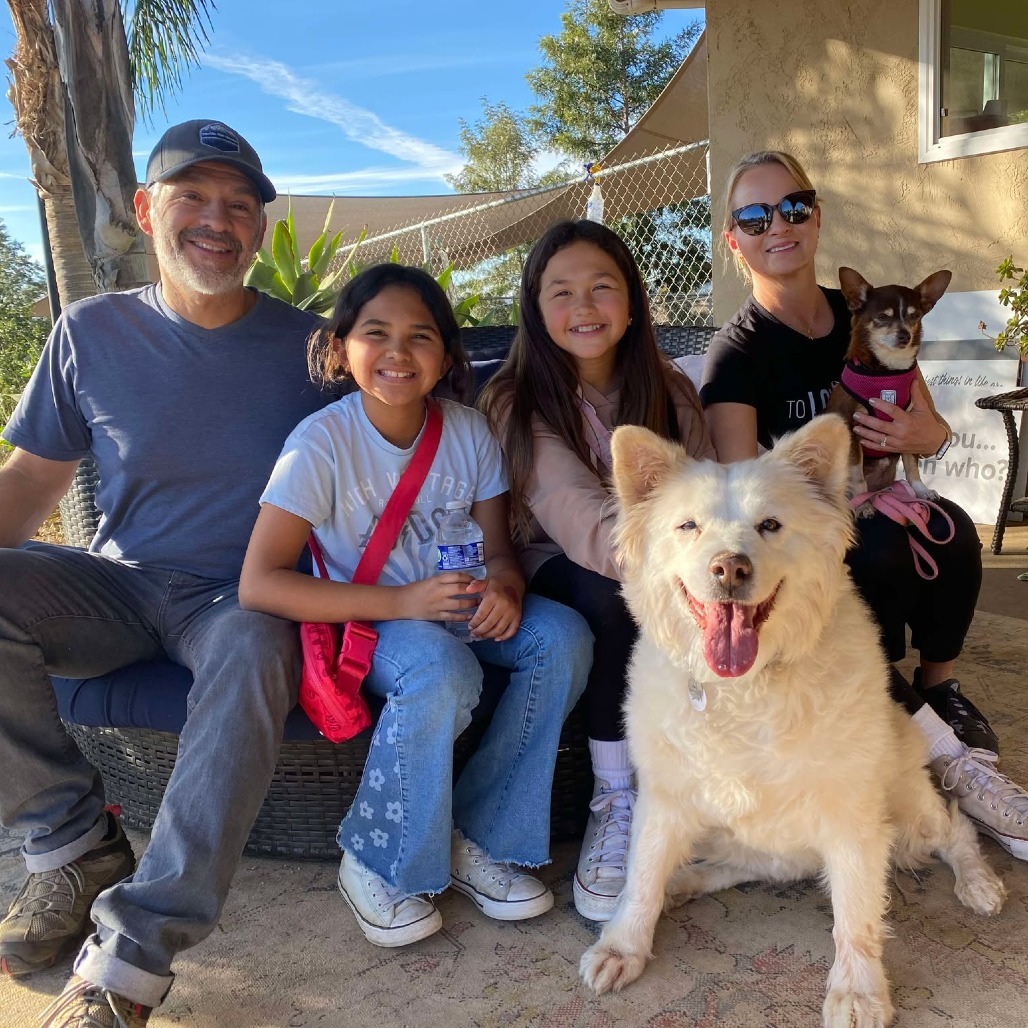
(74, 72)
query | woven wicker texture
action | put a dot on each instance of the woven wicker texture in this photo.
(79, 516)
(313, 785)
(1007, 403)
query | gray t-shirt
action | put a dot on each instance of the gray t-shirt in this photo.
(184, 422)
(337, 471)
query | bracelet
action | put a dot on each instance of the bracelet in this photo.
(941, 451)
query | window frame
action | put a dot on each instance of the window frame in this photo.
(932, 146)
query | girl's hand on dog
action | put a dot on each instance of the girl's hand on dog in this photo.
(915, 430)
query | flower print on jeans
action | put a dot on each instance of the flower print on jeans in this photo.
(373, 826)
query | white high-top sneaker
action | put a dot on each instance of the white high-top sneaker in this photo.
(387, 916)
(601, 864)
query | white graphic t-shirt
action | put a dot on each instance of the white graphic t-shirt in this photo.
(337, 472)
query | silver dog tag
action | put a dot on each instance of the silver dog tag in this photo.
(888, 395)
(697, 696)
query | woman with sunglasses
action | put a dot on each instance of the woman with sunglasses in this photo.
(770, 369)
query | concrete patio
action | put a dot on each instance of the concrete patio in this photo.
(287, 953)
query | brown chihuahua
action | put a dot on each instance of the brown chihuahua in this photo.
(881, 362)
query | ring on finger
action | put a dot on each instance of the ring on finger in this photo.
(885, 440)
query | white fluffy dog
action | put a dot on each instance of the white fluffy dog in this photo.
(758, 715)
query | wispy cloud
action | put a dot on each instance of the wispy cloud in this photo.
(386, 65)
(16, 208)
(307, 97)
(369, 181)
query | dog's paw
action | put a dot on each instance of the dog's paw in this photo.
(981, 890)
(856, 1010)
(604, 968)
(922, 492)
(865, 510)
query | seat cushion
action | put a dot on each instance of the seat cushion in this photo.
(152, 694)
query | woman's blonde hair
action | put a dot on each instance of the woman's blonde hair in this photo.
(756, 160)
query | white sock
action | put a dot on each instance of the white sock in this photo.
(942, 740)
(611, 762)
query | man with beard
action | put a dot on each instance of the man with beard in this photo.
(183, 393)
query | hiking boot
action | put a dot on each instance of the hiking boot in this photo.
(387, 916)
(994, 803)
(967, 721)
(49, 918)
(85, 1005)
(601, 864)
(500, 891)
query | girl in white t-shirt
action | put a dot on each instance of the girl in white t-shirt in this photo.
(394, 335)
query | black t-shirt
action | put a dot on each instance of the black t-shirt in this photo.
(787, 378)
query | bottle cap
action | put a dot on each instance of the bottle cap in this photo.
(457, 505)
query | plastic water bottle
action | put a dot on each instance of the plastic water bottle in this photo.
(461, 548)
(594, 205)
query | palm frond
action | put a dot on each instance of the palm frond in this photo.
(165, 38)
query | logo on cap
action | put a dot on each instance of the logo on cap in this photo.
(219, 137)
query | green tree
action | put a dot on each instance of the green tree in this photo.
(600, 74)
(499, 151)
(21, 335)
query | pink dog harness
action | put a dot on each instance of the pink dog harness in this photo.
(863, 384)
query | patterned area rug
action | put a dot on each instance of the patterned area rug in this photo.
(287, 953)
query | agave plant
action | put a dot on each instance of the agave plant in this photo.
(307, 282)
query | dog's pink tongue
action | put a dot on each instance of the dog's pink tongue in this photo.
(729, 640)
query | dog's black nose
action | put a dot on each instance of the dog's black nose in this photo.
(731, 569)
(902, 337)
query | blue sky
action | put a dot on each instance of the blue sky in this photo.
(361, 100)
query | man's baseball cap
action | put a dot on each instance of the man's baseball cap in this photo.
(203, 140)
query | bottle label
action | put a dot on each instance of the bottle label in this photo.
(461, 556)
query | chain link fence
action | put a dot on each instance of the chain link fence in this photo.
(658, 202)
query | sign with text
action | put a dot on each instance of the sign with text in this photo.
(974, 468)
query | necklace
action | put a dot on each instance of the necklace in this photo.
(809, 331)
(792, 322)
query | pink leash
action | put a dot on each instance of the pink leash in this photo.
(899, 502)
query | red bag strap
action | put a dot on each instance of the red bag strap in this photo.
(387, 529)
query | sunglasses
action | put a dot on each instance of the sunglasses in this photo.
(755, 218)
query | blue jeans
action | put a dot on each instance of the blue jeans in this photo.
(64, 611)
(399, 823)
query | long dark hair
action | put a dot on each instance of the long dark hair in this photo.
(328, 368)
(539, 380)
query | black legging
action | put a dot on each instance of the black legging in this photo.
(599, 601)
(938, 611)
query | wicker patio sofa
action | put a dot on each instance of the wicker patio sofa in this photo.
(126, 723)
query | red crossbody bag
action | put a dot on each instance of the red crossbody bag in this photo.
(333, 670)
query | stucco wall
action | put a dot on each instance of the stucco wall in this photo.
(836, 84)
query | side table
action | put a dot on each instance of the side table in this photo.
(1006, 404)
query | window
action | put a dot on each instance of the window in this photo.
(973, 78)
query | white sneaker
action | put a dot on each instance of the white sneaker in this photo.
(387, 917)
(997, 806)
(499, 890)
(600, 877)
